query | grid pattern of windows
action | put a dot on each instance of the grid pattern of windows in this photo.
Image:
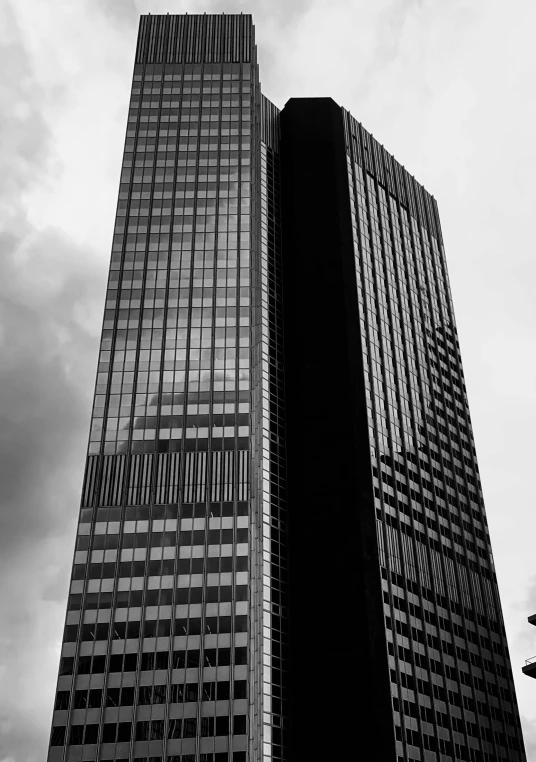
(154, 662)
(271, 634)
(176, 643)
(174, 361)
(452, 686)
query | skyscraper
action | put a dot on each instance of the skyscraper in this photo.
(282, 551)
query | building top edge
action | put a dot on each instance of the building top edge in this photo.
(374, 158)
(196, 38)
(197, 15)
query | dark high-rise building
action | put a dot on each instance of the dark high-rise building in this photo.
(530, 664)
(282, 552)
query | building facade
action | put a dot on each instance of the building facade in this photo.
(282, 551)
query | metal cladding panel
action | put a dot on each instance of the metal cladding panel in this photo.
(195, 39)
(139, 479)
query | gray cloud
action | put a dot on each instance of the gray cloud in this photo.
(45, 369)
(24, 135)
(48, 284)
(45, 379)
(43, 403)
(124, 12)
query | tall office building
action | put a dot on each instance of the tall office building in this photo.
(282, 551)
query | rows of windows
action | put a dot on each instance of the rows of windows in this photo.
(153, 628)
(141, 539)
(149, 730)
(153, 660)
(200, 512)
(220, 592)
(173, 374)
(222, 756)
(164, 568)
(428, 496)
(177, 312)
(138, 538)
(273, 721)
(182, 359)
(136, 518)
(154, 694)
(432, 529)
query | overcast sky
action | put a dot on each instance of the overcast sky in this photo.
(446, 86)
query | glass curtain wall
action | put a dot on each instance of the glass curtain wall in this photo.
(451, 677)
(154, 659)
